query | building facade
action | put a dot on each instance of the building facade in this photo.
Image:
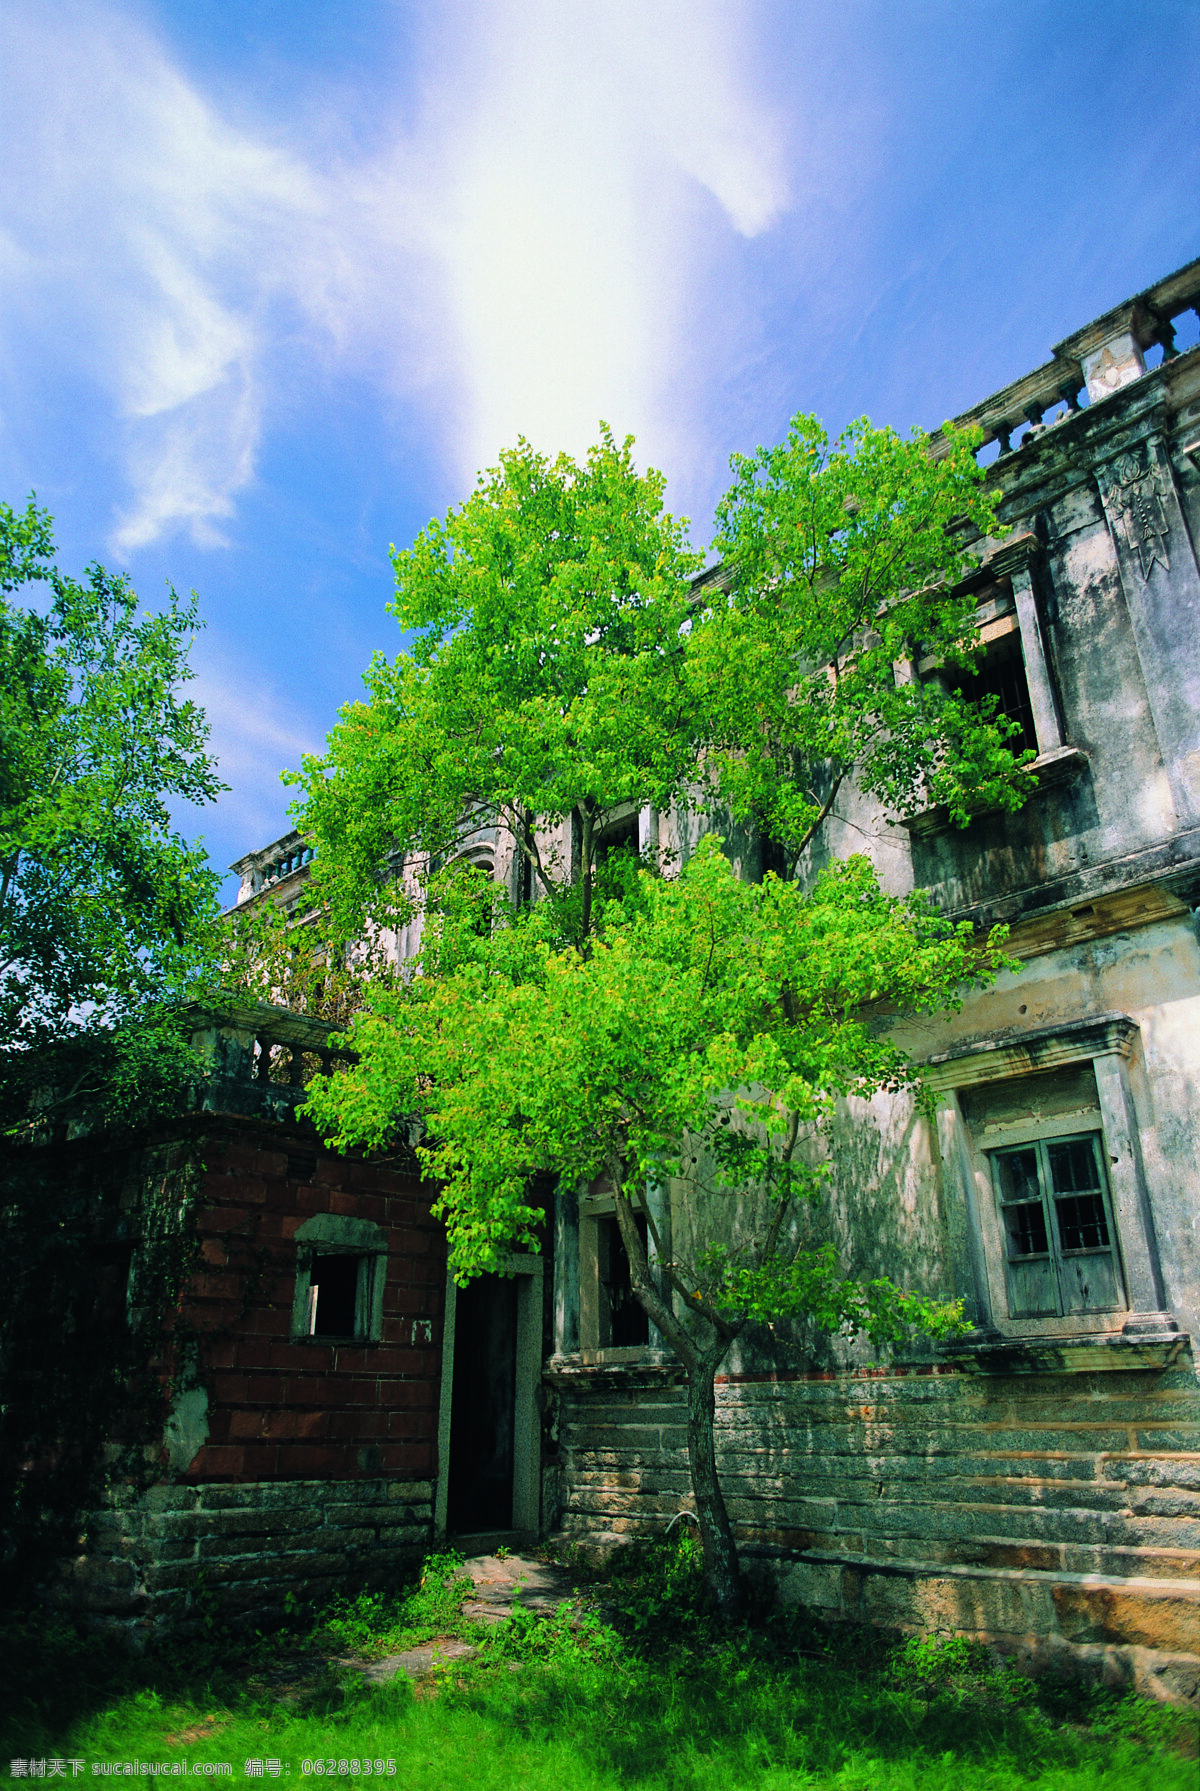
(1038, 1483)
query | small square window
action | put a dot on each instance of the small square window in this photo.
(1054, 1207)
(333, 1287)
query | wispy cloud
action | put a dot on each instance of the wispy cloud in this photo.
(149, 235)
(519, 249)
(256, 733)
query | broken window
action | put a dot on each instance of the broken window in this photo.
(335, 1295)
(1001, 676)
(1060, 1246)
(623, 1320)
(341, 1271)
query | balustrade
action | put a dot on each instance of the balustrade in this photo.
(1100, 358)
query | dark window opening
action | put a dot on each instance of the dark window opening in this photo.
(333, 1295)
(1027, 1231)
(774, 857)
(623, 1320)
(1002, 675)
(113, 1266)
(622, 836)
(1060, 1255)
(1081, 1223)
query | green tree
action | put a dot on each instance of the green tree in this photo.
(108, 918)
(631, 1025)
(108, 924)
(545, 686)
(841, 561)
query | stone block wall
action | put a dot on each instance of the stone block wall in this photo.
(1056, 1516)
(171, 1556)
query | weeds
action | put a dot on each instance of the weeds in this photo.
(375, 1623)
(631, 1684)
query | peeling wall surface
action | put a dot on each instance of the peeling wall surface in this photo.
(1038, 1485)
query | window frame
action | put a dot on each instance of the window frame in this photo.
(333, 1234)
(596, 1206)
(1106, 1041)
(1056, 1254)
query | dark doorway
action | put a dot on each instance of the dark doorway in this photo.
(483, 1405)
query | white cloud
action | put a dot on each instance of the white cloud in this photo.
(570, 207)
(149, 233)
(520, 250)
(256, 734)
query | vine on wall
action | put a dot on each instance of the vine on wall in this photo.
(99, 1241)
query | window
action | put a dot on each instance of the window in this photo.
(341, 1267)
(1001, 675)
(613, 1324)
(1039, 1138)
(623, 1320)
(1057, 1227)
(339, 1295)
(620, 836)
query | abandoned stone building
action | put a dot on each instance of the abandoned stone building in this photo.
(1037, 1484)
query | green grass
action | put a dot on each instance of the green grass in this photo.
(639, 1689)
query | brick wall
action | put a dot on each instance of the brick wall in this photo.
(281, 1408)
(293, 1465)
(1057, 1516)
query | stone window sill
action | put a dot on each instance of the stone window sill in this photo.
(1139, 1347)
(1060, 766)
(612, 1367)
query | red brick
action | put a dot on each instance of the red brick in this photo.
(259, 1461)
(312, 1425)
(223, 1218)
(230, 1389)
(359, 1392)
(245, 1425)
(315, 1459)
(224, 1463)
(357, 1426)
(426, 1270)
(405, 1395)
(413, 1459)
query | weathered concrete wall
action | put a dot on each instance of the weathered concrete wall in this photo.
(1057, 1516)
(174, 1554)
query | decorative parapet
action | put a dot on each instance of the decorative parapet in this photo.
(1097, 360)
(273, 866)
(259, 1057)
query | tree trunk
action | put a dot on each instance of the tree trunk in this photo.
(722, 1572)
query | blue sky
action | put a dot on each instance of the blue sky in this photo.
(277, 277)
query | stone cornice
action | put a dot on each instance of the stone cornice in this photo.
(1046, 1048)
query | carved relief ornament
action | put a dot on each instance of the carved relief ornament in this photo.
(1131, 487)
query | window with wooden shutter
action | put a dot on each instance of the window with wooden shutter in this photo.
(1060, 1243)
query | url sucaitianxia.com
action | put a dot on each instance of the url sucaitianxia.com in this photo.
(347, 1766)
